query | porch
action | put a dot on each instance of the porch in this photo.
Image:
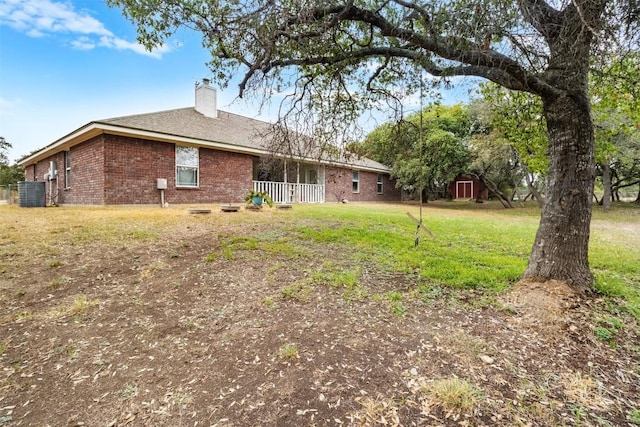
(287, 192)
(289, 181)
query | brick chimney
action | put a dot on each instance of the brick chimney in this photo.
(206, 103)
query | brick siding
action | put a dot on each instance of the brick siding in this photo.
(339, 185)
(132, 167)
(86, 186)
(112, 169)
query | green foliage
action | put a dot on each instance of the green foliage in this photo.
(602, 333)
(634, 416)
(616, 110)
(518, 119)
(498, 258)
(297, 291)
(474, 248)
(394, 299)
(4, 147)
(288, 351)
(9, 174)
(211, 257)
(492, 155)
(425, 151)
(258, 194)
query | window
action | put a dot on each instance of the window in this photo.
(379, 183)
(187, 164)
(67, 169)
(356, 181)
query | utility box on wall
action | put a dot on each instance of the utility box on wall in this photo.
(161, 183)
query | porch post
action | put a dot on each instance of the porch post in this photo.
(285, 171)
(298, 182)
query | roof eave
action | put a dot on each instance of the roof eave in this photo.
(94, 129)
(82, 134)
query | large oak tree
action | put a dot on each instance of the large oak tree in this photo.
(354, 54)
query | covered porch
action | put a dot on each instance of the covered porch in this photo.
(287, 181)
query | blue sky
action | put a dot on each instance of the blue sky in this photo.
(66, 63)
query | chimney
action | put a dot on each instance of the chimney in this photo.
(206, 103)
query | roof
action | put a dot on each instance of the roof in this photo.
(229, 132)
(227, 128)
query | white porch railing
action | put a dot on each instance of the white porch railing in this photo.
(286, 192)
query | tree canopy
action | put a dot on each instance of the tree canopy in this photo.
(9, 174)
(353, 55)
(425, 151)
(518, 120)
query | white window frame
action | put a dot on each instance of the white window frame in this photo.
(379, 184)
(197, 167)
(355, 181)
(67, 169)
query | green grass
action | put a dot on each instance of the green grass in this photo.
(288, 351)
(467, 252)
(476, 246)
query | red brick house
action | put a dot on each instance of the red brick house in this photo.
(200, 155)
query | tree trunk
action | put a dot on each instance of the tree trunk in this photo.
(560, 249)
(606, 182)
(493, 188)
(535, 194)
(479, 191)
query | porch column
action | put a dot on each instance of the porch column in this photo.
(298, 182)
(285, 171)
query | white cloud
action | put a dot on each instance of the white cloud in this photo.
(83, 43)
(121, 44)
(40, 18)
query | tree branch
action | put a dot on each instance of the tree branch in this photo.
(545, 19)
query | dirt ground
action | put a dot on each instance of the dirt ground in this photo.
(167, 334)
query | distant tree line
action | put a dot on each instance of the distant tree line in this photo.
(10, 174)
(501, 139)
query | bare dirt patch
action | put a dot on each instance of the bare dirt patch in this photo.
(205, 326)
(545, 306)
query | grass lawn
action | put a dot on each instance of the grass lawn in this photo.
(321, 315)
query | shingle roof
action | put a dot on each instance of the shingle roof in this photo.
(232, 131)
(228, 128)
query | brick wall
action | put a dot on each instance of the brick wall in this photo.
(86, 175)
(133, 165)
(339, 184)
(113, 169)
(29, 173)
(87, 185)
